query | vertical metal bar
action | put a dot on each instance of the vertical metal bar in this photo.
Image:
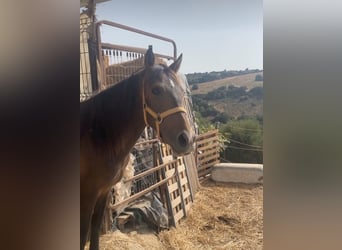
(103, 78)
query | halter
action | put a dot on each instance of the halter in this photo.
(158, 117)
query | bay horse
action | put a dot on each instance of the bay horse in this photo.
(110, 124)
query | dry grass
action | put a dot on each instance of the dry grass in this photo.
(143, 239)
(248, 106)
(238, 81)
(223, 216)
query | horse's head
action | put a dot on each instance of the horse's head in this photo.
(163, 100)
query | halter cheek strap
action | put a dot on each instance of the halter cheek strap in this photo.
(158, 117)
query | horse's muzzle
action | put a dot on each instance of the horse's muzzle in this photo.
(185, 143)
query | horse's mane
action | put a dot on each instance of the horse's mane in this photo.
(106, 112)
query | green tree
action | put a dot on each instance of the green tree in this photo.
(257, 92)
(203, 124)
(221, 117)
(194, 87)
(244, 141)
(259, 78)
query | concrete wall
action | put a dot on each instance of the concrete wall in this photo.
(238, 173)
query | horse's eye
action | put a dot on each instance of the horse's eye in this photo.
(156, 90)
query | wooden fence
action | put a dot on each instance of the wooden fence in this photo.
(207, 153)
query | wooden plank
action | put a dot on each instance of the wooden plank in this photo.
(176, 202)
(168, 195)
(200, 173)
(206, 141)
(188, 206)
(192, 174)
(186, 194)
(170, 168)
(166, 150)
(179, 215)
(173, 187)
(141, 193)
(179, 182)
(207, 165)
(170, 172)
(209, 133)
(183, 181)
(172, 181)
(181, 168)
(209, 159)
(167, 158)
(203, 178)
(205, 172)
(204, 168)
(154, 169)
(208, 155)
(206, 135)
(208, 146)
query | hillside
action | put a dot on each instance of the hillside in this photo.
(247, 80)
(235, 101)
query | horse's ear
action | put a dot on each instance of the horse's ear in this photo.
(176, 65)
(149, 57)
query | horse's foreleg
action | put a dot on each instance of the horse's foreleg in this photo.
(96, 221)
(86, 212)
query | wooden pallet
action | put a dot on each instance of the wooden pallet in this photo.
(180, 197)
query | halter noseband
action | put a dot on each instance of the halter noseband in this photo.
(158, 117)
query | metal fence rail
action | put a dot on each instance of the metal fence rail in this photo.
(117, 62)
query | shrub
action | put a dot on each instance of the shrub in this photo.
(259, 78)
(194, 87)
(247, 132)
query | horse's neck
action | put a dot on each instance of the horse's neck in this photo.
(123, 115)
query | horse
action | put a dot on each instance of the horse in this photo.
(112, 121)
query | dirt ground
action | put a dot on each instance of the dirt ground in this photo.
(223, 216)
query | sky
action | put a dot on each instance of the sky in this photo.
(213, 35)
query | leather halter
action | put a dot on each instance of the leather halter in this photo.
(158, 117)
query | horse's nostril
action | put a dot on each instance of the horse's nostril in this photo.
(183, 139)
